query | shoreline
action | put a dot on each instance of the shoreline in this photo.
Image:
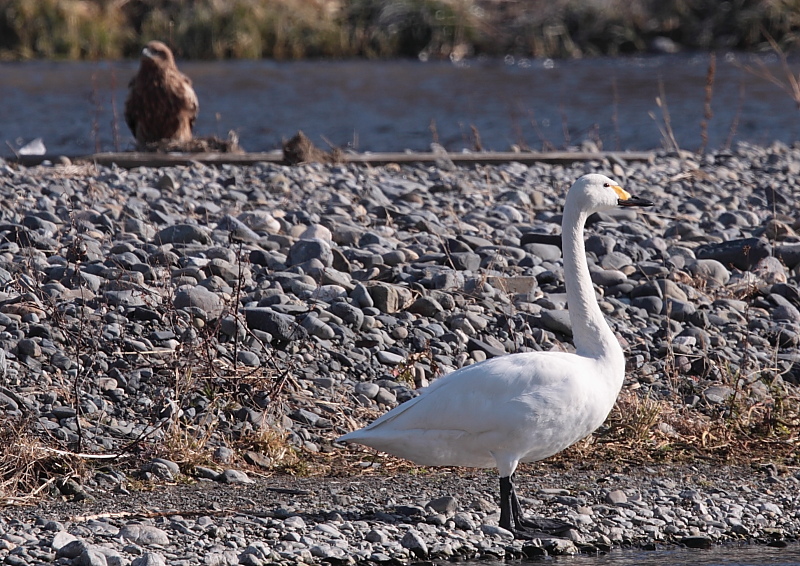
(449, 513)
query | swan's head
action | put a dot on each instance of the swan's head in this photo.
(594, 192)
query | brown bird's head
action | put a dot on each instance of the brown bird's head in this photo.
(158, 53)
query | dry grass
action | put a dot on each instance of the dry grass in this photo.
(27, 466)
(739, 431)
(188, 444)
(273, 443)
(788, 81)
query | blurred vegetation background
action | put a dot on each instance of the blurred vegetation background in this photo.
(296, 29)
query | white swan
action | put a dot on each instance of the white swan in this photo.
(521, 407)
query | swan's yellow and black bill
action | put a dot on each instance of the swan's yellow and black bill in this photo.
(634, 201)
(627, 199)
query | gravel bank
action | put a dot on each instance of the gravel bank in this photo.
(181, 316)
(434, 515)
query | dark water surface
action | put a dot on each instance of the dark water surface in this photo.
(717, 556)
(389, 106)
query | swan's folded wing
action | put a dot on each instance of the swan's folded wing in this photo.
(485, 396)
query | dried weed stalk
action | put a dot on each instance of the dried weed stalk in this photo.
(709, 93)
(27, 467)
(665, 128)
(788, 82)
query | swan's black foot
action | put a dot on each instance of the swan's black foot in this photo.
(512, 518)
(529, 529)
(525, 534)
(547, 527)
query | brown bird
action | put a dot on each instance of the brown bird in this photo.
(161, 104)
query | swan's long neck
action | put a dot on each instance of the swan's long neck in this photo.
(591, 333)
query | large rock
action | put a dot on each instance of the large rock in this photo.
(743, 254)
(389, 298)
(414, 542)
(149, 559)
(313, 248)
(260, 221)
(238, 230)
(558, 321)
(282, 327)
(182, 234)
(711, 271)
(789, 254)
(201, 298)
(465, 261)
(350, 314)
(144, 535)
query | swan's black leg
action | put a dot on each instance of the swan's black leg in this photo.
(513, 519)
(506, 489)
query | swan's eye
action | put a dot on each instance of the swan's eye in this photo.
(606, 185)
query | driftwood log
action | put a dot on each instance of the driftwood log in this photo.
(130, 160)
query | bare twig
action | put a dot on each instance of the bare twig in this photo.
(564, 124)
(82, 455)
(709, 92)
(789, 82)
(546, 145)
(666, 132)
(736, 117)
(114, 114)
(14, 151)
(615, 113)
(95, 100)
(476, 138)
(434, 131)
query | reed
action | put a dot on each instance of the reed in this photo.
(246, 29)
(412, 28)
(62, 29)
(293, 29)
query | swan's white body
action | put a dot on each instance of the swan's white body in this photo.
(521, 407)
(497, 413)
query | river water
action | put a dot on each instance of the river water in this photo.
(716, 556)
(77, 107)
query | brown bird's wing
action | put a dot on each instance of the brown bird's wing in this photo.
(191, 104)
(186, 105)
(130, 115)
